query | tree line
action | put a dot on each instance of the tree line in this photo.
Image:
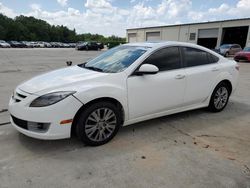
(23, 28)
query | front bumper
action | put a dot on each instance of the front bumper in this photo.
(51, 116)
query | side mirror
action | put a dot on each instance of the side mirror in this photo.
(147, 69)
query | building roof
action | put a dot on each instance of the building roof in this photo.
(208, 22)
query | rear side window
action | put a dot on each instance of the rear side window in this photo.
(212, 58)
(196, 57)
(165, 59)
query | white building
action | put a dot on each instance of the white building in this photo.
(208, 34)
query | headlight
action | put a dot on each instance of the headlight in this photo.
(50, 98)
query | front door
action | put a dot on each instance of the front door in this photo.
(150, 94)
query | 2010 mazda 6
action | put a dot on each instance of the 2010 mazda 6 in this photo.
(125, 85)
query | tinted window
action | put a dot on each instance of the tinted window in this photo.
(212, 58)
(196, 57)
(165, 59)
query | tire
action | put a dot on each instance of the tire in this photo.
(92, 126)
(219, 98)
(226, 54)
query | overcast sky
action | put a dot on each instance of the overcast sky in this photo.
(109, 17)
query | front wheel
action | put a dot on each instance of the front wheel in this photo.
(99, 123)
(219, 98)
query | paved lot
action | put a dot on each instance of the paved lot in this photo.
(191, 149)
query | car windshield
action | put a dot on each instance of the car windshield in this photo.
(116, 59)
(225, 46)
(247, 49)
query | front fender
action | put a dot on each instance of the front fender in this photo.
(88, 94)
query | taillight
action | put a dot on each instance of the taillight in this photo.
(237, 67)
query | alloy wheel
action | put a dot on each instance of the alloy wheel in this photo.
(100, 124)
(220, 98)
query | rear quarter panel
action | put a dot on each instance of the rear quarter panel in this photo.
(228, 72)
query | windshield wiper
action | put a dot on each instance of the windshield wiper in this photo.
(94, 68)
(83, 65)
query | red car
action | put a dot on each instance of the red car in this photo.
(244, 55)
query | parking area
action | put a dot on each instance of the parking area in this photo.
(190, 149)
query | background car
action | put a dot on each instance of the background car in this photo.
(27, 44)
(229, 49)
(4, 44)
(244, 55)
(15, 44)
(101, 45)
(47, 45)
(72, 45)
(88, 46)
(55, 44)
(34, 44)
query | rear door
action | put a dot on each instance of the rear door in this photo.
(201, 70)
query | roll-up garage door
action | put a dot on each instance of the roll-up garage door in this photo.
(153, 36)
(208, 37)
(208, 33)
(131, 37)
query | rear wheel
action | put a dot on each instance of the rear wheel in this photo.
(99, 123)
(219, 98)
(227, 54)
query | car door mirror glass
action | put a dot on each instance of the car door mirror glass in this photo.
(147, 69)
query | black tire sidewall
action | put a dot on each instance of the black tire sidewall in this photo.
(80, 128)
(211, 106)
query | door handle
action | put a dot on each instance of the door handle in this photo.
(215, 69)
(179, 76)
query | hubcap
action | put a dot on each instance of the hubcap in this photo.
(100, 124)
(220, 98)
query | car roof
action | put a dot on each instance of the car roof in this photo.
(158, 44)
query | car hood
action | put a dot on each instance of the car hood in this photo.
(59, 79)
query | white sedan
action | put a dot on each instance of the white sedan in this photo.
(125, 85)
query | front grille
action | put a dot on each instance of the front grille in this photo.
(20, 123)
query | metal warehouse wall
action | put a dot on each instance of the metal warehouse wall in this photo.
(182, 32)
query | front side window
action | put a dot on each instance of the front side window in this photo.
(117, 59)
(225, 46)
(165, 59)
(196, 57)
